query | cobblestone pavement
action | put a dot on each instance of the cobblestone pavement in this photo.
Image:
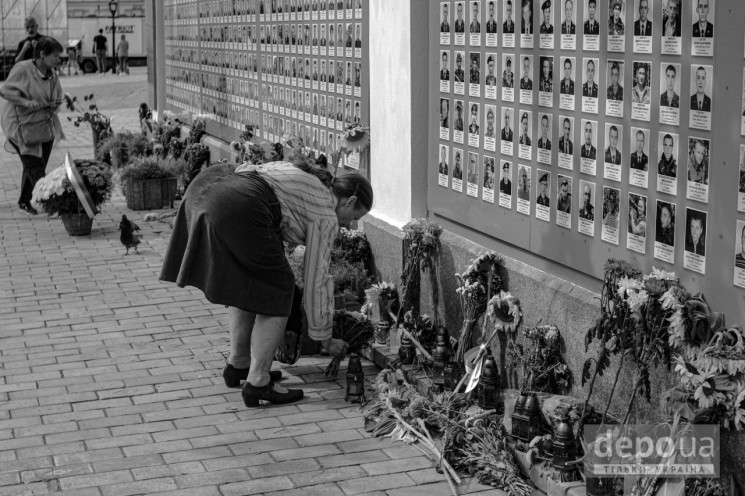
(110, 381)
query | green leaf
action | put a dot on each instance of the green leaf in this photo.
(586, 371)
(603, 362)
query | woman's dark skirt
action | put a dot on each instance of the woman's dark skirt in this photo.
(226, 242)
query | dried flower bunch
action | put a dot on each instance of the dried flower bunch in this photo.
(540, 361)
(100, 124)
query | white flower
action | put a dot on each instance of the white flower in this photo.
(626, 284)
(661, 275)
(668, 300)
(636, 300)
(739, 409)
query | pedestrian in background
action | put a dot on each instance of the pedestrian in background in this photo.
(26, 47)
(122, 51)
(29, 118)
(100, 47)
(73, 57)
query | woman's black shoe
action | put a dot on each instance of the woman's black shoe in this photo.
(252, 395)
(234, 376)
(28, 208)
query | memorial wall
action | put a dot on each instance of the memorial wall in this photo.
(583, 130)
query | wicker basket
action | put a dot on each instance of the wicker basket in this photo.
(77, 224)
(149, 194)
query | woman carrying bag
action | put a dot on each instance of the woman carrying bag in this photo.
(29, 118)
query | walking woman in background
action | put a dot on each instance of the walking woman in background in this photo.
(29, 118)
(227, 241)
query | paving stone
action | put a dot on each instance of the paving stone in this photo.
(379, 482)
(256, 486)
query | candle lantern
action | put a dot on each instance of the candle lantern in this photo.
(489, 387)
(355, 381)
(441, 357)
(382, 332)
(564, 448)
(519, 419)
(533, 413)
(406, 351)
(452, 375)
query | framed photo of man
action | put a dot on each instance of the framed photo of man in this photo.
(616, 25)
(694, 254)
(702, 36)
(474, 27)
(507, 135)
(491, 23)
(667, 166)
(643, 27)
(460, 24)
(508, 25)
(444, 118)
(444, 71)
(591, 26)
(702, 83)
(545, 131)
(568, 25)
(457, 183)
(741, 181)
(508, 78)
(546, 28)
(614, 88)
(526, 24)
(669, 93)
(472, 175)
(490, 128)
(474, 86)
(612, 155)
(564, 201)
(664, 238)
(611, 211)
(523, 189)
(525, 139)
(505, 184)
(699, 160)
(444, 166)
(458, 122)
(588, 151)
(459, 74)
(671, 26)
(566, 85)
(444, 23)
(473, 127)
(487, 192)
(641, 93)
(543, 195)
(590, 89)
(639, 157)
(526, 80)
(586, 208)
(566, 143)
(739, 279)
(546, 83)
(636, 240)
(491, 76)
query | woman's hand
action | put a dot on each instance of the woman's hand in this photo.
(335, 347)
(32, 105)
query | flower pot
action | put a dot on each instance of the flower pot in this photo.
(149, 194)
(77, 224)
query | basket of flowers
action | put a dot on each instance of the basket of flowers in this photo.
(75, 191)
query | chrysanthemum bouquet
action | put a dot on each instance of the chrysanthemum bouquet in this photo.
(54, 194)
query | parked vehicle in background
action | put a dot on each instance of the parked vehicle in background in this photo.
(85, 28)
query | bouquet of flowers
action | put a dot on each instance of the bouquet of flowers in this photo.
(54, 194)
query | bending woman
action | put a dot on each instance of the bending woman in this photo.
(34, 96)
(227, 241)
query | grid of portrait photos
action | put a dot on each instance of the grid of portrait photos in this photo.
(286, 66)
(589, 114)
